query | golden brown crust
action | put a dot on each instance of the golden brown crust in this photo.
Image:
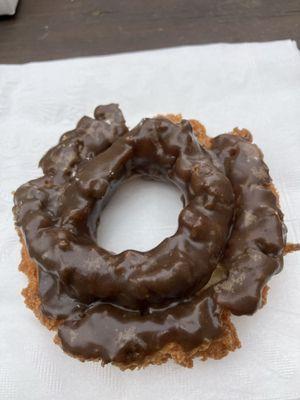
(198, 128)
(291, 247)
(31, 292)
(216, 349)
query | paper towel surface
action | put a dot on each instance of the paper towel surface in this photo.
(8, 7)
(256, 86)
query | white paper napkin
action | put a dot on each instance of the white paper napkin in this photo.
(8, 7)
(256, 86)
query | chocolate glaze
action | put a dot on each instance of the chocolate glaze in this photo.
(128, 337)
(123, 307)
(255, 249)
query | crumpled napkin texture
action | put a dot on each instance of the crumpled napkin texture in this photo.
(256, 86)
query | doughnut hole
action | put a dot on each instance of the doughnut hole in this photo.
(139, 215)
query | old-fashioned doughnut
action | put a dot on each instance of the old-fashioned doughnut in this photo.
(175, 300)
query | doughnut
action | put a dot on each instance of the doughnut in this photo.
(137, 308)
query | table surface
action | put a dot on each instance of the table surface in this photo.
(54, 29)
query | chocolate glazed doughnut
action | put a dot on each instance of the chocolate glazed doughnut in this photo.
(129, 307)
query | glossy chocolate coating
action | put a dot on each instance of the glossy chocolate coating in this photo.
(128, 337)
(230, 217)
(254, 251)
